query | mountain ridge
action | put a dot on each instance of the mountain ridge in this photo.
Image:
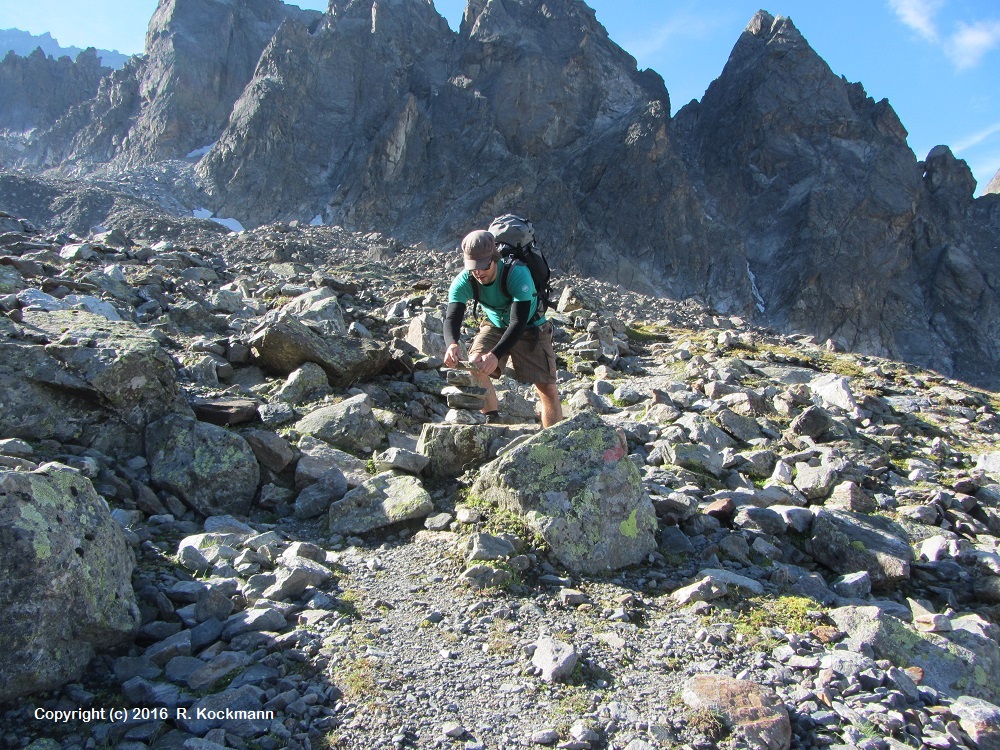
(23, 43)
(786, 195)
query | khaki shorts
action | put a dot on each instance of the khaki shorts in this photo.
(533, 358)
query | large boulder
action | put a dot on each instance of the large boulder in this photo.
(574, 484)
(65, 579)
(426, 334)
(350, 425)
(848, 542)
(210, 468)
(282, 343)
(989, 463)
(754, 712)
(385, 499)
(72, 375)
(126, 366)
(320, 310)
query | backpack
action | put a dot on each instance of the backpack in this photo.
(516, 242)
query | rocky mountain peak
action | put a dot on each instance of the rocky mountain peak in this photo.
(949, 180)
(201, 56)
(994, 185)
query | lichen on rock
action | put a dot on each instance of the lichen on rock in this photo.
(574, 485)
(65, 579)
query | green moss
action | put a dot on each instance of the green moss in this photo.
(630, 527)
(35, 521)
(859, 545)
(981, 677)
(790, 613)
(647, 333)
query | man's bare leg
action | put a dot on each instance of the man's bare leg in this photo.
(485, 381)
(548, 396)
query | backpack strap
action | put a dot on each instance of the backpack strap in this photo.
(475, 296)
(505, 269)
(504, 276)
(505, 288)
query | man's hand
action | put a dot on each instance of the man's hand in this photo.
(484, 362)
(452, 355)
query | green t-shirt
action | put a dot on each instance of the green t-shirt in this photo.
(494, 302)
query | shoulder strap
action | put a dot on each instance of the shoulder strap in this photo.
(475, 295)
(504, 276)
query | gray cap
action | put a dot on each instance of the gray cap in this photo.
(477, 250)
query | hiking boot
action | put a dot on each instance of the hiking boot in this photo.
(493, 417)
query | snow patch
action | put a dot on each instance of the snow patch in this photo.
(231, 224)
(200, 152)
(755, 290)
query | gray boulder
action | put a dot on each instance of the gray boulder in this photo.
(454, 449)
(306, 382)
(696, 457)
(272, 451)
(319, 457)
(210, 468)
(555, 660)
(426, 335)
(65, 579)
(574, 484)
(850, 542)
(90, 379)
(385, 499)
(226, 710)
(815, 482)
(979, 719)
(989, 463)
(350, 425)
(316, 499)
(282, 344)
(702, 431)
(320, 310)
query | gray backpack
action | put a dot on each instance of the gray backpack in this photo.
(516, 240)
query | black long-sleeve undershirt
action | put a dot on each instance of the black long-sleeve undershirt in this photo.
(520, 313)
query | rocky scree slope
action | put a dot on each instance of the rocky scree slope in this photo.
(786, 196)
(319, 528)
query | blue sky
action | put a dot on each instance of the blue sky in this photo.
(937, 61)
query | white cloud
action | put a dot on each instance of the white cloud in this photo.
(967, 46)
(657, 38)
(918, 15)
(976, 138)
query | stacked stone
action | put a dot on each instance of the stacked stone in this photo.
(465, 398)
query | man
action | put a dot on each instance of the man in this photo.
(515, 327)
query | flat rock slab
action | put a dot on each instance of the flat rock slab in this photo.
(960, 662)
(226, 411)
(753, 712)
